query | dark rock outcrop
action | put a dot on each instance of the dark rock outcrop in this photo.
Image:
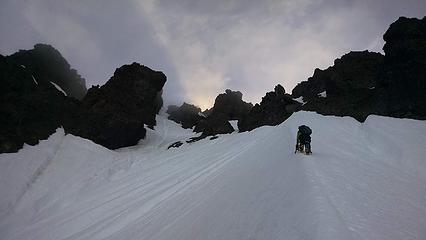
(119, 109)
(112, 115)
(364, 83)
(47, 65)
(227, 106)
(348, 88)
(187, 115)
(133, 91)
(274, 109)
(214, 124)
(30, 110)
(231, 105)
(175, 145)
(405, 68)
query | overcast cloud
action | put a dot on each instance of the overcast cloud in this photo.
(204, 47)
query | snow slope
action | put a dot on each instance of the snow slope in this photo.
(364, 181)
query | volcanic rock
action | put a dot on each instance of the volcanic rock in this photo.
(274, 109)
(405, 68)
(348, 88)
(47, 65)
(30, 109)
(175, 145)
(214, 124)
(231, 105)
(364, 83)
(187, 115)
(119, 109)
(228, 106)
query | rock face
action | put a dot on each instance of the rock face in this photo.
(405, 68)
(348, 88)
(214, 124)
(364, 83)
(187, 115)
(134, 91)
(274, 109)
(46, 64)
(231, 105)
(118, 110)
(30, 110)
(227, 106)
(112, 115)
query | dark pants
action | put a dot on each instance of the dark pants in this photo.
(305, 140)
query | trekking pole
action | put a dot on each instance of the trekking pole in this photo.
(295, 150)
(297, 143)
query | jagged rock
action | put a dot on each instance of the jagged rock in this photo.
(47, 65)
(214, 124)
(119, 109)
(231, 105)
(31, 110)
(133, 91)
(207, 112)
(187, 115)
(175, 144)
(348, 88)
(195, 139)
(364, 83)
(274, 109)
(279, 90)
(112, 115)
(228, 106)
(311, 88)
(405, 68)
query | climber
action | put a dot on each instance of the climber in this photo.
(303, 143)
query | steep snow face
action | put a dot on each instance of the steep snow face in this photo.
(363, 181)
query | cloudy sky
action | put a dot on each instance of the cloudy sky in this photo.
(205, 46)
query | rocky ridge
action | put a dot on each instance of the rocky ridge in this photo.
(364, 83)
(34, 103)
